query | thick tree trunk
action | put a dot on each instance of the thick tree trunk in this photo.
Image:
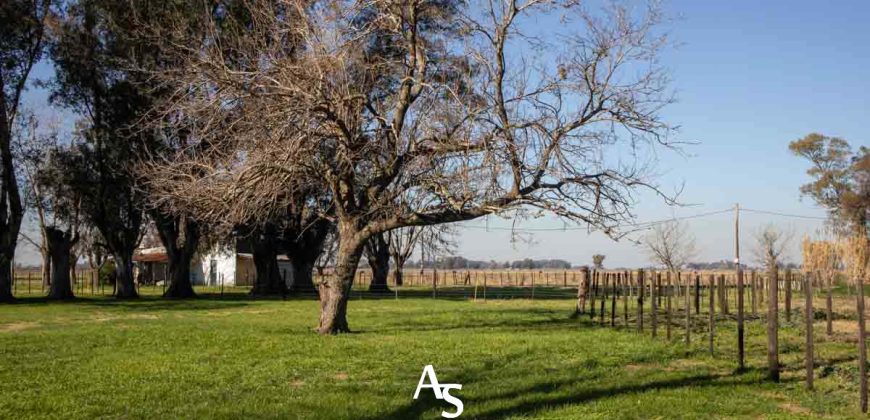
(6, 279)
(773, 325)
(59, 244)
(378, 255)
(335, 290)
(125, 288)
(173, 230)
(265, 250)
(303, 249)
(180, 286)
(303, 279)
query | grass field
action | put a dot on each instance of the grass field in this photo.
(239, 358)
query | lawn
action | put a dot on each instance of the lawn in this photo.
(520, 358)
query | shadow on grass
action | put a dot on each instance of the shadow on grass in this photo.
(529, 400)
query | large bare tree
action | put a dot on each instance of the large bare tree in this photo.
(420, 113)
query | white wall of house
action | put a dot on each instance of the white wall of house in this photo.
(218, 266)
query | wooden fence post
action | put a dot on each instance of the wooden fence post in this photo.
(808, 319)
(773, 325)
(740, 342)
(640, 288)
(829, 305)
(712, 313)
(688, 309)
(669, 293)
(654, 292)
(788, 286)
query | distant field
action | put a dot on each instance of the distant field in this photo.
(517, 358)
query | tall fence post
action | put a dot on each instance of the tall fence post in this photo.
(740, 343)
(712, 313)
(640, 300)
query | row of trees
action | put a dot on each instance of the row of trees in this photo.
(287, 122)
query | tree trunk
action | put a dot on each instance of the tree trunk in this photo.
(303, 279)
(59, 244)
(303, 248)
(378, 255)
(335, 290)
(265, 250)
(125, 288)
(773, 324)
(173, 230)
(398, 265)
(46, 265)
(180, 286)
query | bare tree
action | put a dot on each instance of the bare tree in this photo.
(770, 243)
(670, 244)
(598, 261)
(432, 240)
(423, 113)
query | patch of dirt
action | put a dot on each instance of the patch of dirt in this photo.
(794, 408)
(297, 383)
(341, 376)
(637, 367)
(239, 311)
(685, 364)
(18, 326)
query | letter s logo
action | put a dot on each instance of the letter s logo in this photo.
(445, 391)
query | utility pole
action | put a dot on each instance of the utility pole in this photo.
(740, 348)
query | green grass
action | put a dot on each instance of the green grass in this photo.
(239, 358)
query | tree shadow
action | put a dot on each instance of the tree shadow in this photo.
(537, 396)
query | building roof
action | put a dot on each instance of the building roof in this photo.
(151, 256)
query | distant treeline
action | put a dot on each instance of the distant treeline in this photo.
(462, 263)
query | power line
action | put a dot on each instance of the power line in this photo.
(626, 225)
(641, 225)
(775, 213)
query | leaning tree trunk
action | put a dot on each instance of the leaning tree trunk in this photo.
(125, 288)
(265, 250)
(59, 244)
(335, 290)
(378, 254)
(773, 325)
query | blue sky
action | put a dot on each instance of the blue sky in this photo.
(750, 76)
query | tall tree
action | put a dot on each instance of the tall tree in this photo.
(423, 113)
(92, 55)
(22, 31)
(841, 179)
